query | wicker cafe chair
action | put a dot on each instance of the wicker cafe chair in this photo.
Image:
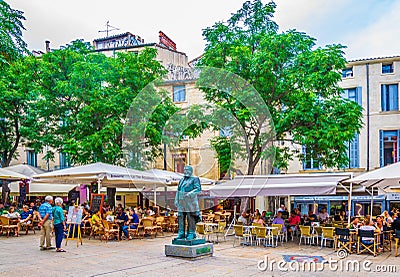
(96, 230)
(149, 227)
(173, 224)
(110, 230)
(135, 232)
(328, 233)
(369, 246)
(343, 239)
(27, 225)
(240, 234)
(7, 226)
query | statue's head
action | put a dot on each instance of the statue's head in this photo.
(187, 171)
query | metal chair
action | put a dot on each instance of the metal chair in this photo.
(240, 234)
(305, 234)
(328, 233)
(221, 229)
(202, 230)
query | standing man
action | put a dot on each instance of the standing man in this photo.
(187, 203)
(46, 216)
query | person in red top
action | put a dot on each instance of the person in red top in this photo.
(293, 221)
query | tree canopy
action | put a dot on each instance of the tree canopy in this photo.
(297, 81)
(12, 46)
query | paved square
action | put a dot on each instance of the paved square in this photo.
(20, 256)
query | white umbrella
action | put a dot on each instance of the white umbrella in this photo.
(25, 169)
(382, 178)
(106, 175)
(11, 176)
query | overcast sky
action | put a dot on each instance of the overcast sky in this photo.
(369, 28)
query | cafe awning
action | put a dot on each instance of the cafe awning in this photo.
(105, 174)
(280, 185)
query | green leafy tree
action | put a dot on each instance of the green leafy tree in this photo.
(12, 46)
(297, 80)
(17, 120)
(85, 97)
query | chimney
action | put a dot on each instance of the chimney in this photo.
(47, 46)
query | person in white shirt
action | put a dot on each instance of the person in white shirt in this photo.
(323, 216)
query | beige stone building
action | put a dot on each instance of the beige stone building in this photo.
(373, 83)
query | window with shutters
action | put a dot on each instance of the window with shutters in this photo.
(389, 97)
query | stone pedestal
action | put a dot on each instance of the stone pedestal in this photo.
(189, 248)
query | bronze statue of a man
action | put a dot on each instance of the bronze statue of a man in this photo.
(187, 203)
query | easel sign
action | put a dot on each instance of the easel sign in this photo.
(97, 202)
(74, 219)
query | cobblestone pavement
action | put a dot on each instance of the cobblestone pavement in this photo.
(20, 256)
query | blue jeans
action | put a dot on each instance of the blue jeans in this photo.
(124, 229)
(59, 232)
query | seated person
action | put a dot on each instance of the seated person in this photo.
(12, 214)
(311, 218)
(396, 227)
(337, 216)
(26, 216)
(293, 222)
(243, 219)
(279, 220)
(14, 218)
(369, 225)
(122, 221)
(134, 219)
(354, 224)
(96, 221)
(257, 219)
(323, 215)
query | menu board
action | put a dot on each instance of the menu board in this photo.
(97, 202)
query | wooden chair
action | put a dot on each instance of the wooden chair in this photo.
(239, 234)
(27, 225)
(343, 240)
(7, 226)
(86, 227)
(135, 232)
(149, 227)
(369, 246)
(386, 237)
(110, 230)
(96, 230)
(328, 233)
